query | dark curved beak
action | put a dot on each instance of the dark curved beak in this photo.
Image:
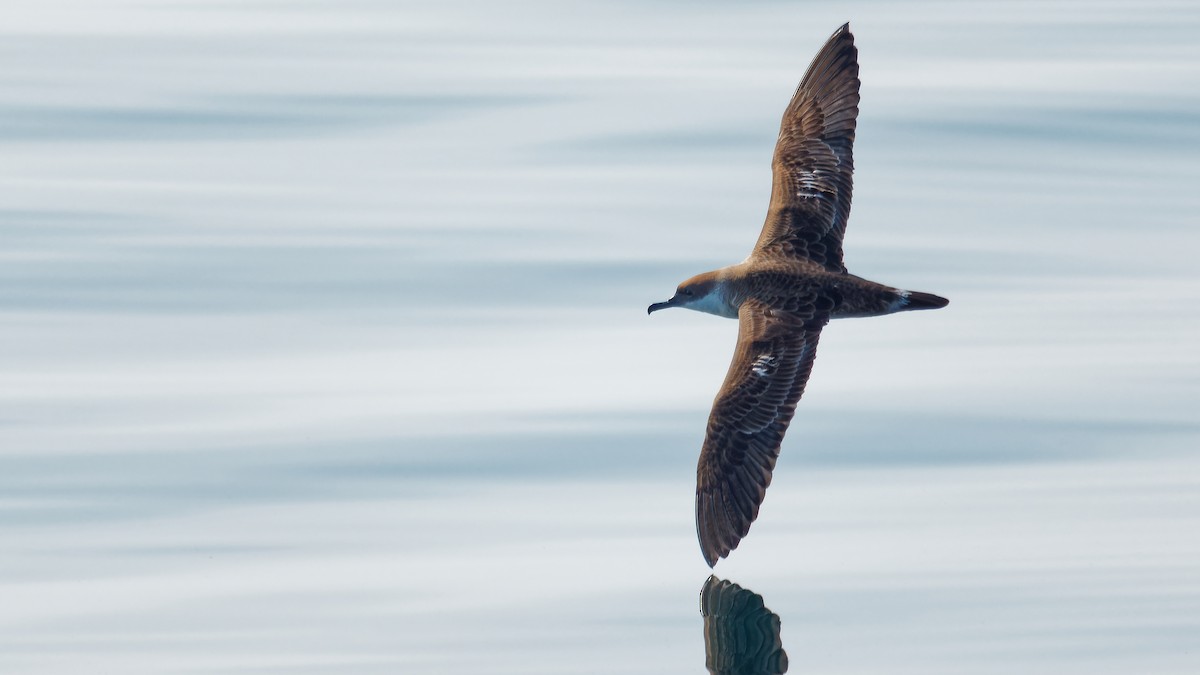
(660, 305)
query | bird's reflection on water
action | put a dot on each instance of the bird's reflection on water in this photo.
(741, 636)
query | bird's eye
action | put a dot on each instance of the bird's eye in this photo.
(687, 291)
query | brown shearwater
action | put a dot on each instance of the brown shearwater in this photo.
(782, 295)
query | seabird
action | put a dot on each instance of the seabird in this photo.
(782, 295)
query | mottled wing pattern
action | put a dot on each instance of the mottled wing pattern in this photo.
(771, 364)
(814, 163)
(740, 634)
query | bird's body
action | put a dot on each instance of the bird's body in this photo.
(783, 294)
(799, 286)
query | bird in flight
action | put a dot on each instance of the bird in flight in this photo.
(782, 295)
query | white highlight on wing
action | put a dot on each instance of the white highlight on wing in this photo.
(809, 187)
(763, 364)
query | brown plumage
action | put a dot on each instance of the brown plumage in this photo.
(792, 284)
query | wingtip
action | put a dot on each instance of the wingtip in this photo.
(712, 544)
(707, 550)
(711, 585)
(713, 550)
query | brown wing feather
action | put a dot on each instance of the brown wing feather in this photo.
(813, 165)
(771, 365)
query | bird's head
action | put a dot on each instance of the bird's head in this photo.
(701, 293)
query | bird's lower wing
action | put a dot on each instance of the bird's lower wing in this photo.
(771, 365)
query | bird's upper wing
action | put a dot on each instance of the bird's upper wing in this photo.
(740, 634)
(814, 161)
(771, 365)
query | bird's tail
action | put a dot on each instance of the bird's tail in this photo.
(911, 300)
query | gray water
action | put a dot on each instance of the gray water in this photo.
(323, 343)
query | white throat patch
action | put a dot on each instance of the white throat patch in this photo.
(714, 303)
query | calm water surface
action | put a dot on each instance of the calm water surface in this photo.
(323, 343)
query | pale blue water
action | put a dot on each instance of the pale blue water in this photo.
(323, 343)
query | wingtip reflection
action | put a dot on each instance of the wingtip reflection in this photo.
(741, 635)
